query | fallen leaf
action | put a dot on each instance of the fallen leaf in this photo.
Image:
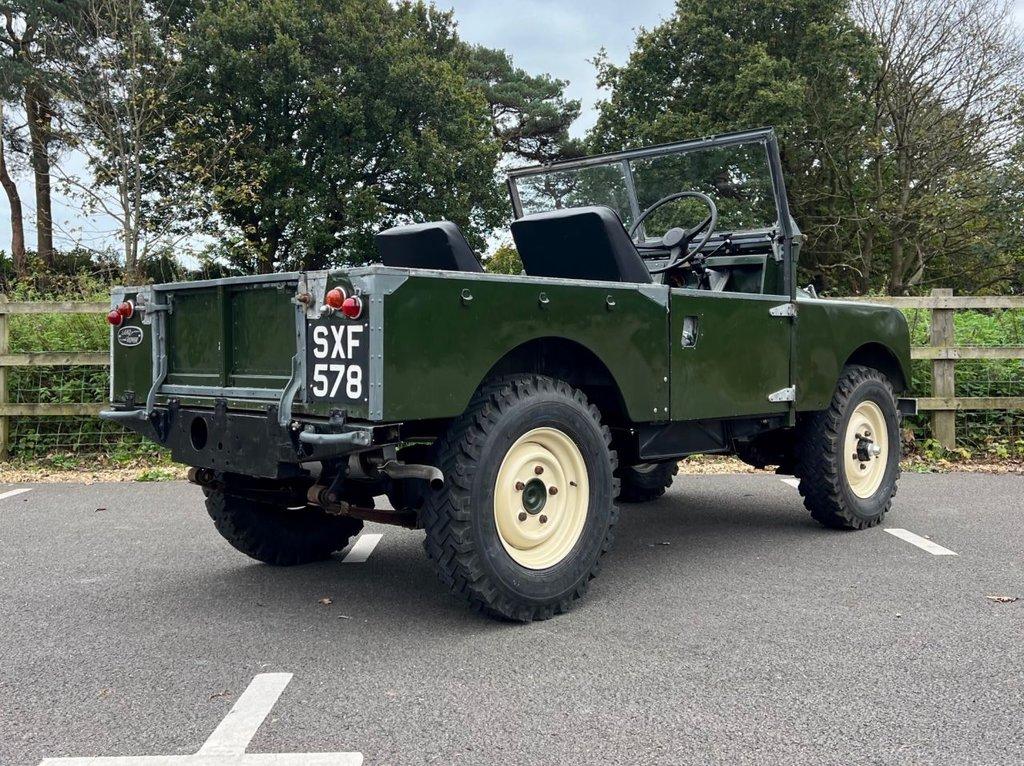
(219, 694)
(1003, 599)
(326, 601)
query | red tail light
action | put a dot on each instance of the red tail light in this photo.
(335, 298)
(114, 317)
(126, 309)
(352, 307)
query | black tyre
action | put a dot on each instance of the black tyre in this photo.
(646, 481)
(279, 536)
(528, 506)
(848, 456)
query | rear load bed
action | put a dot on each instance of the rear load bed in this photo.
(247, 374)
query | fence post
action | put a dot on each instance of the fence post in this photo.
(943, 372)
(5, 348)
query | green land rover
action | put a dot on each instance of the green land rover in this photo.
(657, 316)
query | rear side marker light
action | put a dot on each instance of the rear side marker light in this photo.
(335, 298)
(352, 307)
(126, 309)
(114, 317)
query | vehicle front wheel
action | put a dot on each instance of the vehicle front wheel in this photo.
(528, 506)
(849, 455)
(646, 481)
(277, 535)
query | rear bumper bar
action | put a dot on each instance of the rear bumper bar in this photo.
(251, 443)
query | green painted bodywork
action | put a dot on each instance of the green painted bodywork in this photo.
(429, 339)
(443, 332)
(830, 332)
(439, 346)
(741, 355)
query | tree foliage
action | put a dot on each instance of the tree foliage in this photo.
(359, 114)
(891, 117)
(530, 115)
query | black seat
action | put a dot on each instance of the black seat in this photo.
(578, 243)
(436, 245)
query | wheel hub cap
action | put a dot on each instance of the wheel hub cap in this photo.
(867, 448)
(535, 496)
(541, 498)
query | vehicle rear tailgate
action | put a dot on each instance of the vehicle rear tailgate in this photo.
(232, 336)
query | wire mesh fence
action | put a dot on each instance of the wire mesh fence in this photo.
(999, 433)
(61, 438)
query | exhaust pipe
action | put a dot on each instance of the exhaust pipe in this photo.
(395, 470)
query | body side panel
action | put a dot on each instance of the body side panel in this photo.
(740, 355)
(829, 332)
(444, 332)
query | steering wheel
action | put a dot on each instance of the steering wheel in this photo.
(675, 240)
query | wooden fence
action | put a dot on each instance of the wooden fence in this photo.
(942, 351)
(944, 354)
(42, 359)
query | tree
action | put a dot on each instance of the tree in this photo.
(31, 38)
(530, 115)
(720, 65)
(117, 78)
(504, 260)
(14, 200)
(894, 121)
(943, 104)
(359, 114)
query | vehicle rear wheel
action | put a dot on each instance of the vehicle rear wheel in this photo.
(849, 455)
(278, 535)
(646, 481)
(528, 507)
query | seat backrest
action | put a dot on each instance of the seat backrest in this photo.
(578, 243)
(436, 245)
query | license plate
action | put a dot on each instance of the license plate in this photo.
(337, 361)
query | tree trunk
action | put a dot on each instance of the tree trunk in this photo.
(37, 112)
(17, 218)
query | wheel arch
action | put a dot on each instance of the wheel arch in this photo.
(880, 357)
(571, 361)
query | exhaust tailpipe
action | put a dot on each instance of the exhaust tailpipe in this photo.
(395, 470)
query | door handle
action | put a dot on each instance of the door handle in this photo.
(689, 339)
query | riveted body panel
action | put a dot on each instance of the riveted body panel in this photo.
(443, 332)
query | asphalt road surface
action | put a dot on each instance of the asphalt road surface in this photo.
(726, 627)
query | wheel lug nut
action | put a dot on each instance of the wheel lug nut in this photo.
(520, 486)
(543, 519)
(862, 466)
(522, 516)
(552, 490)
(539, 470)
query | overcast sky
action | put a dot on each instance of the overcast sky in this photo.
(542, 35)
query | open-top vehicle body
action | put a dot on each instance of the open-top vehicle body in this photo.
(657, 317)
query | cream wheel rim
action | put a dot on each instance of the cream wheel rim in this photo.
(867, 449)
(541, 497)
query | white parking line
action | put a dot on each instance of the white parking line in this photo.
(791, 481)
(238, 728)
(921, 542)
(13, 492)
(226, 746)
(361, 549)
